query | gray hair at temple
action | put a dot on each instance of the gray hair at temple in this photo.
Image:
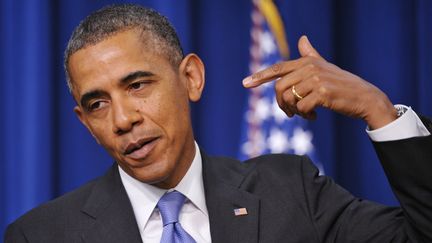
(155, 29)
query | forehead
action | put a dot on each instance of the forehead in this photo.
(114, 57)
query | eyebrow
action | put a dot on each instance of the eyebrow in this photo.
(134, 75)
(125, 80)
(91, 95)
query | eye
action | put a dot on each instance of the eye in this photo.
(138, 85)
(95, 105)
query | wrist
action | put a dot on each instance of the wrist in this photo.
(380, 114)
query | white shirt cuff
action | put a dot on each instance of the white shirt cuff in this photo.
(408, 125)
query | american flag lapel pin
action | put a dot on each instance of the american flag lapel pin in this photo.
(240, 211)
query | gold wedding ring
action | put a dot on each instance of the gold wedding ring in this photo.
(299, 97)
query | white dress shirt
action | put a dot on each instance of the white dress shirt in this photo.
(193, 216)
(408, 125)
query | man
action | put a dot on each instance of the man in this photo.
(133, 85)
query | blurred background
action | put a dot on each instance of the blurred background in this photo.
(45, 151)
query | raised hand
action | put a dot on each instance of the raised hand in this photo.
(310, 81)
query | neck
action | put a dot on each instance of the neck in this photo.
(182, 167)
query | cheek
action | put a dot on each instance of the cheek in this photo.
(152, 107)
(178, 105)
(170, 110)
(102, 133)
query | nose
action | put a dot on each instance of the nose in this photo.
(125, 116)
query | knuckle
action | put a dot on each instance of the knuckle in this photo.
(286, 97)
(300, 104)
(316, 78)
(302, 107)
(317, 65)
(315, 62)
(278, 86)
(323, 91)
(276, 68)
(257, 75)
(311, 66)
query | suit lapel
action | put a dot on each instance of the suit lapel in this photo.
(109, 206)
(224, 189)
(225, 184)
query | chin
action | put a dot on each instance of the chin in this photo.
(152, 174)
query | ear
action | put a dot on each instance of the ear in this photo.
(78, 111)
(192, 68)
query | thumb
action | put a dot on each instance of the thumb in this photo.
(306, 48)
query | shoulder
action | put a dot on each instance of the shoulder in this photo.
(278, 161)
(262, 162)
(284, 168)
(269, 167)
(56, 212)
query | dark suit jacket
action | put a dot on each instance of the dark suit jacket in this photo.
(285, 198)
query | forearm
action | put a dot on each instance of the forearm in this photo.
(408, 163)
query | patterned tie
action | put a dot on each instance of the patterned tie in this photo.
(169, 206)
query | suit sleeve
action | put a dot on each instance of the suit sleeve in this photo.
(408, 166)
(14, 234)
(338, 216)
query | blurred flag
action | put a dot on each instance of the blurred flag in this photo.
(266, 128)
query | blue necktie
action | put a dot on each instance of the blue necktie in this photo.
(169, 206)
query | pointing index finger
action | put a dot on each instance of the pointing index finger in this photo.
(271, 73)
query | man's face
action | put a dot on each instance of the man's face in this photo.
(136, 105)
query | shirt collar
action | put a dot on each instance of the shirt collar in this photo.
(144, 197)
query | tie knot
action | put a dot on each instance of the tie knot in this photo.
(169, 206)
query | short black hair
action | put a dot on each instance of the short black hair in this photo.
(113, 19)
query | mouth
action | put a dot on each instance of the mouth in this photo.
(141, 148)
